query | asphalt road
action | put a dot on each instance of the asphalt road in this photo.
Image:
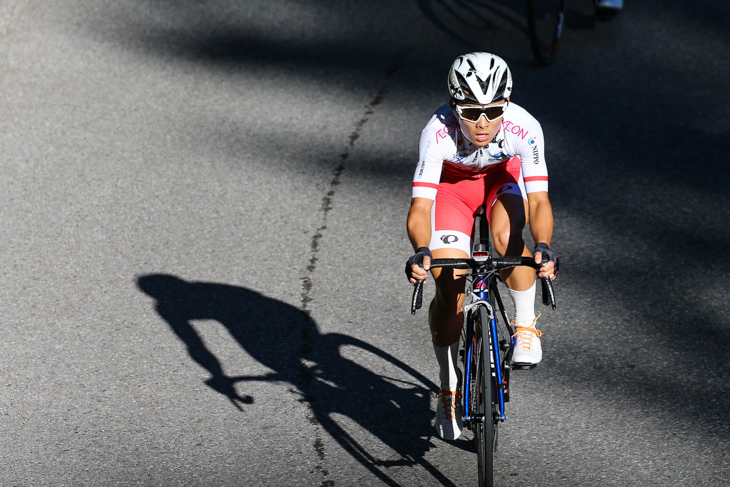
(202, 211)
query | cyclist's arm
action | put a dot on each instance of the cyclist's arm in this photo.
(434, 146)
(419, 230)
(541, 225)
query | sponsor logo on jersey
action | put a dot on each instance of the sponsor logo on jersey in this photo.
(531, 141)
(504, 188)
(423, 161)
(535, 155)
(511, 128)
(444, 132)
(449, 239)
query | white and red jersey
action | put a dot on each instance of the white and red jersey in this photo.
(444, 148)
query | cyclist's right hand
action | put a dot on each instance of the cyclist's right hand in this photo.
(418, 265)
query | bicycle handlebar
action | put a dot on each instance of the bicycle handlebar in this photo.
(492, 264)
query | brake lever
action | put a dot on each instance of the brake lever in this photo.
(548, 293)
(417, 300)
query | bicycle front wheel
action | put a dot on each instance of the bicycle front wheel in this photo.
(482, 398)
(545, 20)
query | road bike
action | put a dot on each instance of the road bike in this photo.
(545, 22)
(487, 342)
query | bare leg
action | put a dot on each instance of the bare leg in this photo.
(509, 217)
(446, 317)
(446, 313)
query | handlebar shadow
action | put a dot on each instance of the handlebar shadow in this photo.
(288, 341)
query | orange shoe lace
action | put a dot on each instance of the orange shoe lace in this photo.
(521, 330)
(449, 399)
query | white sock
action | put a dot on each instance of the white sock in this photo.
(447, 358)
(524, 305)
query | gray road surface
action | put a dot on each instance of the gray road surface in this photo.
(202, 211)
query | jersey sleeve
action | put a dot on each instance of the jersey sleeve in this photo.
(428, 170)
(531, 152)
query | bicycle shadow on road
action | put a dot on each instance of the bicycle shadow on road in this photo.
(286, 340)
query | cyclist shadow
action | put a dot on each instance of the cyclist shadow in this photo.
(286, 340)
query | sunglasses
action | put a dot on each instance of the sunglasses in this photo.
(472, 114)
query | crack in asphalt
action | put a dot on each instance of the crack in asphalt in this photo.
(309, 329)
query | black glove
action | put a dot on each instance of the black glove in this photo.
(547, 255)
(417, 259)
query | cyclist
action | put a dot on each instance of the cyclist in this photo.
(480, 148)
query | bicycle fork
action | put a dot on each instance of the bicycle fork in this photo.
(498, 378)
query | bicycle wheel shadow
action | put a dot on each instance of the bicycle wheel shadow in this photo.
(286, 340)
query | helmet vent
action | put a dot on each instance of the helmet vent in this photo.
(484, 84)
(472, 68)
(499, 94)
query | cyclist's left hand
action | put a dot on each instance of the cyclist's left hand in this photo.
(548, 259)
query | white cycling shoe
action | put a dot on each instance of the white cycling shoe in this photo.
(528, 348)
(448, 415)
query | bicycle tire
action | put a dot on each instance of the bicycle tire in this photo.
(482, 398)
(545, 21)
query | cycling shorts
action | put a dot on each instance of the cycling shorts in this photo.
(459, 195)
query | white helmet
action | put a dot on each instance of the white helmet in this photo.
(480, 78)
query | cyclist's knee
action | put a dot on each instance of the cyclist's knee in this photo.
(449, 296)
(508, 241)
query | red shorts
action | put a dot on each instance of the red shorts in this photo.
(460, 194)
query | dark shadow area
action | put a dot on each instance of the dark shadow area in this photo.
(332, 43)
(460, 19)
(286, 340)
(656, 188)
(264, 35)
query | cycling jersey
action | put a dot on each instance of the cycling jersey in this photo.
(443, 147)
(460, 176)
